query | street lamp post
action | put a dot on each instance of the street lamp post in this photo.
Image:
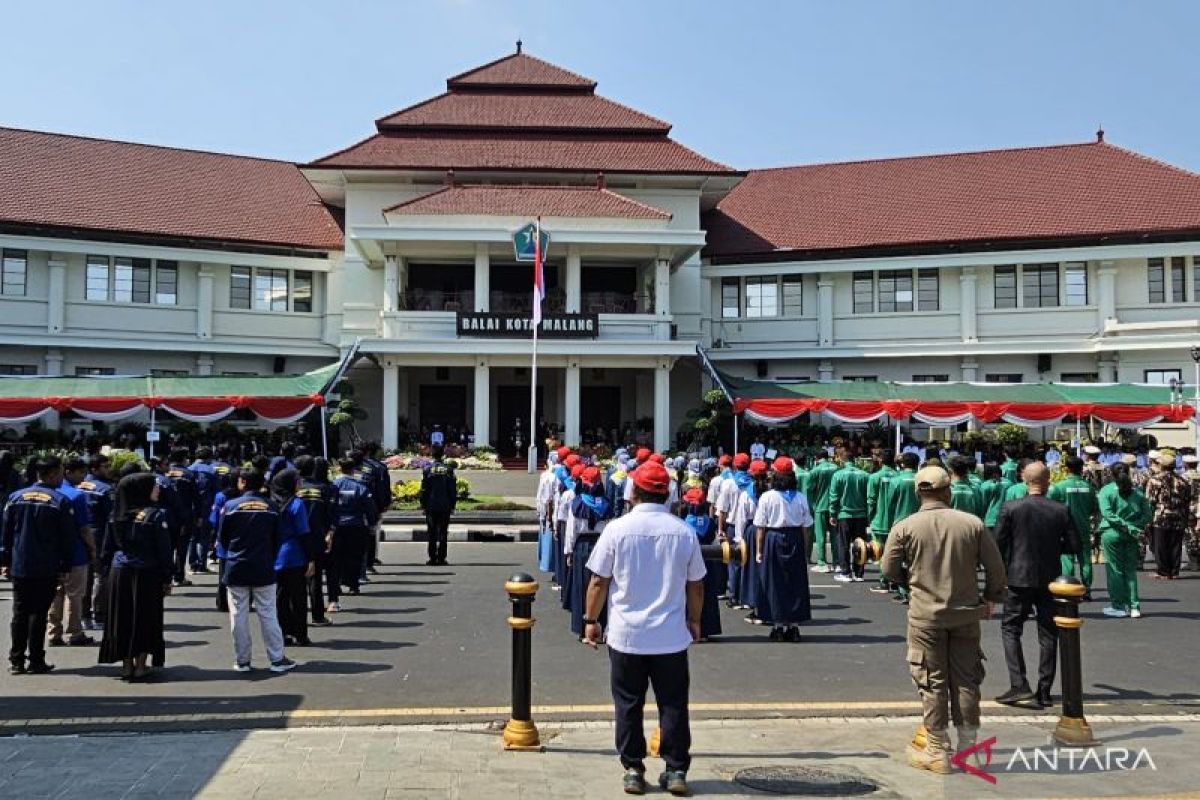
(1196, 398)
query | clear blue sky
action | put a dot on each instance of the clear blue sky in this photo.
(748, 83)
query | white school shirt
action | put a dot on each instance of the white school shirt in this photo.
(775, 511)
(576, 526)
(563, 509)
(673, 494)
(729, 494)
(742, 515)
(545, 488)
(627, 494)
(714, 490)
(650, 555)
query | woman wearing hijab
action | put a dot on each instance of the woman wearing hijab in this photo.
(139, 578)
(1124, 514)
(591, 511)
(295, 558)
(781, 519)
(699, 518)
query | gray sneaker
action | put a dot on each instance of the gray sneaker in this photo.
(634, 781)
(675, 782)
(283, 665)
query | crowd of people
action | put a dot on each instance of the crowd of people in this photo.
(87, 549)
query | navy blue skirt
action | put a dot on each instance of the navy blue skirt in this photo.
(783, 595)
(579, 579)
(560, 561)
(750, 583)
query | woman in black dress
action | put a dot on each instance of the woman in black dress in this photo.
(139, 579)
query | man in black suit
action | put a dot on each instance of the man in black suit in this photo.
(1032, 533)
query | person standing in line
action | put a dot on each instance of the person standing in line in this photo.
(1192, 475)
(185, 500)
(819, 479)
(295, 558)
(1170, 497)
(1077, 494)
(847, 513)
(878, 522)
(937, 552)
(590, 513)
(226, 491)
(698, 516)
(375, 474)
(991, 494)
(439, 495)
(142, 563)
(97, 488)
(562, 517)
(354, 517)
(66, 612)
(544, 500)
(10, 479)
(781, 524)
(37, 545)
(204, 474)
(732, 486)
(1033, 534)
(963, 494)
(317, 496)
(1093, 471)
(248, 529)
(647, 567)
(902, 500)
(752, 484)
(1124, 515)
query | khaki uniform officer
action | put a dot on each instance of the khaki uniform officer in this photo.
(943, 548)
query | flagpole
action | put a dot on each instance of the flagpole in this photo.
(534, 315)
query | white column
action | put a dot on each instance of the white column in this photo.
(483, 402)
(825, 309)
(54, 368)
(403, 398)
(968, 282)
(483, 283)
(662, 289)
(204, 364)
(56, 294)
(1106, 294)
(970, 370)
(571, 404)
(573, 286)
(391, 284)
(391, 406)
(204, 302)
(334, 313)
(825, 370)
(1107, 367)
(662, 406)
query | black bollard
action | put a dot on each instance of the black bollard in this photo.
(520, 733)
(1072, 729)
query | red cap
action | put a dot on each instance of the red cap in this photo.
(652, 477)
(757, 467)
(563, 452)
(694, 495)
(725, 460)
(783, 464)
(741, 461)
(571, 460)
(577, 471)
(642, 455)
(591, 476)
(657, 458)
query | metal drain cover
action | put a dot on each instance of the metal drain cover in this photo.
(805, 781)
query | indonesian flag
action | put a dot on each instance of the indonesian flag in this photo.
(539, 283)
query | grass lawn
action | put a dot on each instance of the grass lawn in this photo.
(484, 502)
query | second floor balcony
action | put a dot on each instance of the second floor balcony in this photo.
(508, 302)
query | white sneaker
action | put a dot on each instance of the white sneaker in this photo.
(842, 578)
(820, 568)
(1109, 611)
(241, 668)
(1136, 613)
(856, 579)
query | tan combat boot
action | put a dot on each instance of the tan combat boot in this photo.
(936, 755)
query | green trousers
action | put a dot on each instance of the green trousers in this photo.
(820, 535)
(881, 540)
(1120, 567)
(1084, 559)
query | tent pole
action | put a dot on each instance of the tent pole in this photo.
(324, 436)
(897, 438)
(736, 418)
(1078, 436)
(150, 440)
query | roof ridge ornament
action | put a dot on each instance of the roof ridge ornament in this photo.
(518, 47)
(1100, 135)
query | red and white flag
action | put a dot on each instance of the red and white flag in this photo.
(539, 283)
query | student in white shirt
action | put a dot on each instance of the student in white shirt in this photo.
(562, 509)
(648, 566)
(544, 500)
(780, 519)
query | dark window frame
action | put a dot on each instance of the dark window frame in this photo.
(241, 284)
(1156, 280)
(1178, 279)
(1004, 286)
(1004, 377)
(863, 302)
(10, 258)
(163, 269)
(795, 283)
(1178, 376)
(97, 262)
(932, 377)
(1044, 279)
(736, 285)
(762, 309)
(302, 291)
(1075, 268)
(929, 289)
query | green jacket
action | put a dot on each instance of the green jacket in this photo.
(877, 509)
(1009, 470)
(848, 492)
(965, 497)
(1016, 491)
(1079, 497)
(802, 481)
(1126, 516)
(819, 478)
(902, 499)
(992, 495)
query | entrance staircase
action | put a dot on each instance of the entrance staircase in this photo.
(518, 464)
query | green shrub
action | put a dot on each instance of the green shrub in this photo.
(462, 488)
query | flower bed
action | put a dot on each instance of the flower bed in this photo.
(464, 460)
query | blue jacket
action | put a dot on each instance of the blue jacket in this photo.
(99, 496)
(79, 502)
(145, 543)
(249, 530)
(354, 506)
(207, 483)
(295, 539)
(188, 506)
(214, 516)
(39, 533)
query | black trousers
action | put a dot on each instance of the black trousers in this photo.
(1168, 549)
(668, 674)
(291, 602)
(349, 544)
(1017, 605)
(31, 605)
(325, 575)
(847, 531)
(438, 526)
(180, 544)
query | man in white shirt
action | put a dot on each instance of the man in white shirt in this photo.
(648, 566)
(758, 450)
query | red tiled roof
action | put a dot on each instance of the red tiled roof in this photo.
(529, 152)
(1057, 192)
(528, 201)
(520, 70)
(54, 180)
(533, 111)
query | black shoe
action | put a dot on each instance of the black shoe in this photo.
(776, 635)
(320, 623)
(81, 641)
(57, 641)
(675, 782)
(1044, 699)
(377, 563)
(39, 669)
(634, 781)
(355, 590)
(431, 562)
(1087, 597)
(1017, 695)
(792, 635)
(16, 669)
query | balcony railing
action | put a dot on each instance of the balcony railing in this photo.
(437, 300)
(522, 302)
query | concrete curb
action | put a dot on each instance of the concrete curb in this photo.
(463, 533)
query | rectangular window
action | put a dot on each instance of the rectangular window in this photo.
(271, 290)
(861, 378)
(895, 290)
(1156, 277)
(864, 292)
(928, 290)
(1178, 279)
(1196, 279)
(1163, 376)
(1039, 284)
(239, 287)
(731, 298)
(97, 278)
(931, 379)
(169, 373)
(13, 269)
(17, 369)
(1077, 283)
(131, 280)
(762, 297)
(166, 283)
(793, 295)
(302, 291)
(1004, 377)
(1080, 377)
(1005, 286)
(84, 372)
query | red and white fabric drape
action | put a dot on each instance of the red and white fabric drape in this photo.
(272, 410)
(1029, 415)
